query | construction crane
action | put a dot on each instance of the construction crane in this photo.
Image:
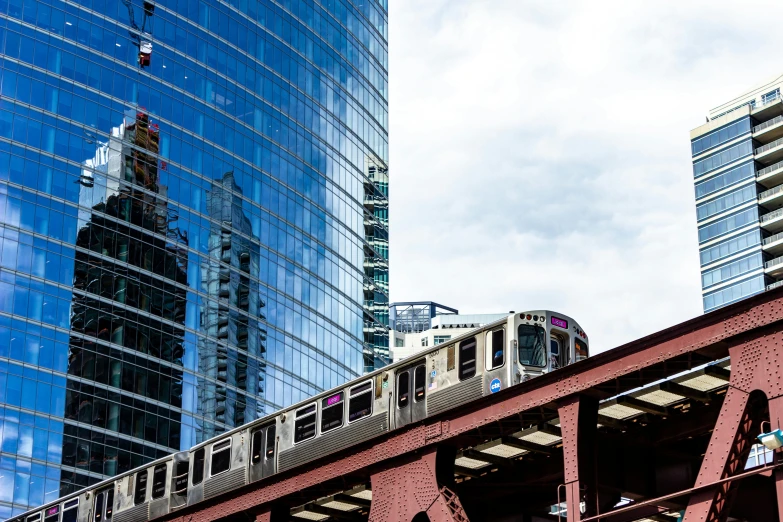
(139, 35)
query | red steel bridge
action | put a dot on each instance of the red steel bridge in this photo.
(659, 429)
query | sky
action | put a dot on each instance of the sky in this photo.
(540, 152)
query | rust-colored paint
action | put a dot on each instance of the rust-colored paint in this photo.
(749, 319)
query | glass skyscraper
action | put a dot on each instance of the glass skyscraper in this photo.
(193, 223)
(738, 175)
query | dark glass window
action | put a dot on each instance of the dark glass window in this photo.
(581, 350)
(497, 348)
(257, 443)
(140, 490)
(360, 402)
(34, 518)
(198, 466)
(270, 442)
(109, 505)
(180, 477)
(332, 409)
(159, 481)
(304, 426)
(70, 515)
(467, 359)
(221, 457)
(98, 507)
(419, 383)
(403, 389)
(532, 346)
(52, 514)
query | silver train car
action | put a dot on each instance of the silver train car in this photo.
(479, 363)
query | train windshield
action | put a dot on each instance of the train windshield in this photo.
(532, 345)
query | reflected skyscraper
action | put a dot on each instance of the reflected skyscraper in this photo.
(193, 224)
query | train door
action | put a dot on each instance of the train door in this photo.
(411, 394)
(559, 351)
(262, 456)
(496, 369)
(104, 505)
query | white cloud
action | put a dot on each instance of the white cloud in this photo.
(540, 154)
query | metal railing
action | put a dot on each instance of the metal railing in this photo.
(768, 146)
(770, 192)
(767, 170)
(772, 215)
(774, 262)
(770, 123)
(772, 99)
(774, 285)
(771, 239)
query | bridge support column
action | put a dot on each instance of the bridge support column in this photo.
(402, 492)
(755, 369)
(578, 420)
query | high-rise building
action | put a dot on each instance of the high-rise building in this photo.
(738, 173)
(193, 223)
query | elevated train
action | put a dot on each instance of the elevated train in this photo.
(479, 363)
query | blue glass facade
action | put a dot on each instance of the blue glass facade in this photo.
(193, 223)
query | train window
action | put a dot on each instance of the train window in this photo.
(419, 383)
(581, 349)
(360, 401)
(159, 481)
(180, 477)
(109, 505)
(554, 352)
(198, 466)
(495, 348)
(70, 510)
(257, 445)
(270, 443)
(332, 410)
(403, 389)
(34, 518)
(532, 346)
(221, 457)
(467, 359)
(140, 491)
(98, 507)
(52, 514)
(304, 425)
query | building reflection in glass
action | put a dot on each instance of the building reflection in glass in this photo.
(129, 291)
(230, 335)
(376, 266)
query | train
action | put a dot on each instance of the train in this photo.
(481, 362)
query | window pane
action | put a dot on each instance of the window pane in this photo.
(257, 445)
(403, 389)
(304, 428)
(532, 349)
(419, 383)
(360, 405)
(221, 459)
(270, 442)
(140, 492)
(498, 348)
(198, 466)
(159, 481)
(332, 417)
(467, 359)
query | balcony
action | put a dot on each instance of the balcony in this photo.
(769, 130)
(773, 244)
(774, 267)
(767, 108)
(772, 221)
(772, 199)
(771, 152)
(776, 284)
(771, 176)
